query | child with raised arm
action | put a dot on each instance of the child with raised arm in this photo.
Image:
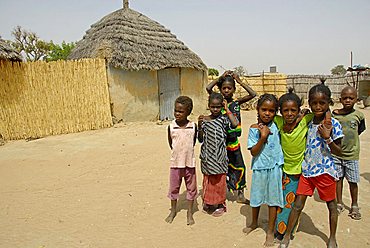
(181, 139)
(353, 124)
(236, 180)
(293, 128)
(265, 148)
(318, 169)
(212, 134)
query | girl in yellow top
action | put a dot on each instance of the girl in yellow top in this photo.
(293, 129)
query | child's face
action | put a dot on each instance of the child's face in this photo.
(289, 110)
(319, 104)
(348, 98)
(227, 90)
(266, 112)
(215, 107)
(180, 112)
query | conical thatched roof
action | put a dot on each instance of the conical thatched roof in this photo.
(132, 41)
(7, 52)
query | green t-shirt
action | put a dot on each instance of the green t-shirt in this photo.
(293, 144)
(352, 125)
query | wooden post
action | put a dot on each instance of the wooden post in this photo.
(125, 4)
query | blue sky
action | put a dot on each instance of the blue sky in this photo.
(299, 37)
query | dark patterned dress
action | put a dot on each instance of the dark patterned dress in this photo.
(236, 167)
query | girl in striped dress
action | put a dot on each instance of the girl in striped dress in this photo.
(236, 180)
(214, 162)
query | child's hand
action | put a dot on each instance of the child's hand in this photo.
(304, 111)
(228, 72)
(224, 102)
(264, 130)
(325, 126)
(200, 120)
(235, 76)
(324, 131)
(327, 120)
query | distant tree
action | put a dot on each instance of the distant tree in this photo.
(338, 70)
(213, 72)
(29, 44)
(59, 52)
(240, 71)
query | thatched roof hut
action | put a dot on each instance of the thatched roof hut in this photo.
(7, 52)
(132, 41)
(147, 66)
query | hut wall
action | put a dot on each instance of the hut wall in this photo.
(193, 84)
(134, 94)
(39, 99)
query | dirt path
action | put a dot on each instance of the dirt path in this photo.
(107, 188)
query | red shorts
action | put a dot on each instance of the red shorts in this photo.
(325, 184)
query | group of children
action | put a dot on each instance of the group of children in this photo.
(292, 155)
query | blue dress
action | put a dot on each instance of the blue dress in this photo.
(266, 185)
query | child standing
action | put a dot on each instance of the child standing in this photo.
(236, 168)
(293, 129)
(182, 138)
(318, 169)
(264, 145)
(212, 134)
(353, 124)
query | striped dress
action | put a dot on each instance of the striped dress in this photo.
(213, 154)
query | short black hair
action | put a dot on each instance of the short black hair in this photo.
(186, 101)
(268, 97)
(215, 95)
(290, 96)
(320, 88)
(223, 79)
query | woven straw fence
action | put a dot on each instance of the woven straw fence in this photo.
(38, 99)
(273, 83)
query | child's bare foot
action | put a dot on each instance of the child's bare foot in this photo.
(332, 243)
(190, 219)
(269, 240)
(247, 230)
(171, 216)
(241, 198)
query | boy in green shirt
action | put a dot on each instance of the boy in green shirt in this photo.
(353, 124)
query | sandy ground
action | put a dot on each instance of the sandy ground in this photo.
(107, 188)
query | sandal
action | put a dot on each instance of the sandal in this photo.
(340, 208)
(354, 213)
(219, 212)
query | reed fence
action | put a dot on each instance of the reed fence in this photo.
(40, 98)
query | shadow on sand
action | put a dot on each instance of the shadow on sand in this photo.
(306, 225)
(182, 203)
(366, 176)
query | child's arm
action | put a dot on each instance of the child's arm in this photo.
(214, 82)
(169, 137)
(251, 92)
(200, 131)
(288, 128)
(325, 130)
(335, 146)
(196, 132)
(361, 127)
(264, 133)
(234, 121)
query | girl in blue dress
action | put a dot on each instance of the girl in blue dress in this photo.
(267, 161)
